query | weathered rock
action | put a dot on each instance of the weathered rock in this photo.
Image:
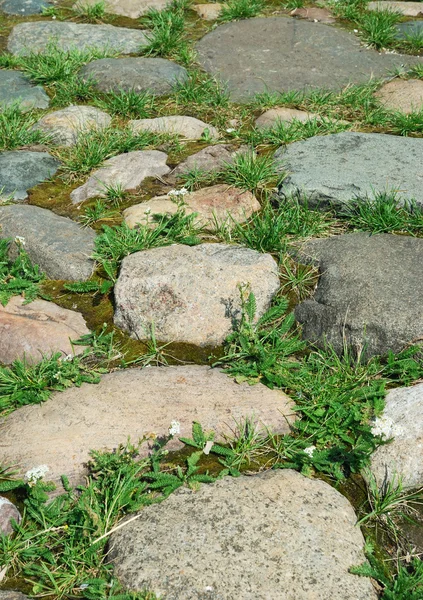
(277, 534)
(313, 13)
(369, 293)
(190, 293)
(155, 75)
(271, 117)
(21, 170)
(409, 29)
(36, 36)
(133, 403)
(129, 8)
(8, 511)
(216, 203)
(12, 595)
(58, 245)
(408, 9)
(401, 420)
(65, 126)
(405, 95)
(208, 12)
(38, 329)
(344, 167)
(211, 159)
(187, 127)
(126, 170)
(279, 54)
(16, 88)
(24, 7)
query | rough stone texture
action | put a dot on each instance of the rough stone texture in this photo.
(126, 170)
(190, 293)
(187, 127)
(12, 595)
(38, 329)
(129, 8)
(211, 159)
(8, 511)
(405, 95)
(21, 170)
(270, 118)
(409, 28)
(273, 535)
(58, 245)
(369, 292)
(408, 9)
(133, 403)
(280, 54)
(65, 126)
(38, 35)
(23, 7)
(313, 13)
(212, 203)
(16, 88)
(208, 12)
(402, 421)
(155, 75)
(343, 167)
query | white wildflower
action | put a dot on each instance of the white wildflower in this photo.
(310, 450)
(178, 193)
(36, 473)
(147, 211)
(209, 588)
(355, 30)
(20, 240)
(230, 130)
(208, 447)
(175, 428)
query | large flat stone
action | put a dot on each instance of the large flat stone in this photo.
(187, 127)
(24, 7)
(38, 329)
(36, 36)
(210, 159)
(58, 245)
(343, 167)
(405, 95)
(21, 170)
(133, 403)
(369, 293)
(278, 54)
(402, 421)
(129, 8)
(190, 293)
(65, 126)
(407, 9)
(155, 75)
(16, 88)
(276, 535)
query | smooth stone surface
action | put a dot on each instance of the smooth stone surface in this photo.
(38, 35)
(15, 88)
(401, 420)
(276, 535)
(126, 170)
(190, 293)
(313, 13)
(210, 159)
(369, 292)
(407, 9)
(8, 511)
(344, 167)
(21, 170)
(409, 29)
(278, 54)
(66, 126)
(12, 595)
(23, 7)
(208, 12)
(405, 95)
(133, 403)
(187, 127)
(60, 246)
(155, 75)
(271, 117)
(129, 8)
(38, 329)
(216, 203)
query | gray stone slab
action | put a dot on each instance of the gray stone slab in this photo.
(21, 170)
(23, 7)
(16, 88)
(36, 36)
(369, 294)
(343, 167)
(60, 246)
(409, 29)
(279, 54)
(155, 75)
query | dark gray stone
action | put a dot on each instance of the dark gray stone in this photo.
(15, 88)
(369, 293)
(23, 7)
(21, 170)
(155, 75)
(343, 167)
(58, 244)
(409, 28)
(36, 36)
(281, 54)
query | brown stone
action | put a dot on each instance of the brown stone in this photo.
(208, 12)
(405, 95)
(273, 115)
(211, 159)
(408, 9)
(8, 512)
(187, 127)
(40, 328)
(312, 13)
(129, 8)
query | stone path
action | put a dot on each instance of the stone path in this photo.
(182, 206)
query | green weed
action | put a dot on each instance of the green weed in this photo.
(16, 129)
(90, 13)
(378, 27)
(130, 105)
(18, 276)
(253, 172)
(240, 9)
(98, 212)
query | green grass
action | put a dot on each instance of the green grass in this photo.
(18, 276)
(240, 9)
(100, 211)
(378, 27)
(287, 133)
(16, 128)
(89, 13)
(130, 105)
(251, 171)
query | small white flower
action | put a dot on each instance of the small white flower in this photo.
(208, 447)
(36, 473)
(230, 130)
(209, 588)
(177, 193)
(310, 450)
(147, 211)
(175, 428)
(355, 30)
(20, 240)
